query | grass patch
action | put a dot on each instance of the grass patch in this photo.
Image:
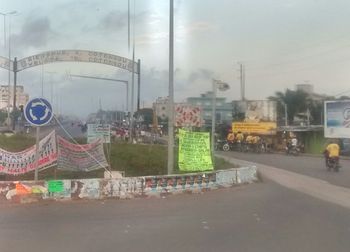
(16, 143)
(133, 159)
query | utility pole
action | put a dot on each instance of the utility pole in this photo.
(171, 91)
(285, 115)
(242, 80)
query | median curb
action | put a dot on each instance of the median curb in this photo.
(126, 188)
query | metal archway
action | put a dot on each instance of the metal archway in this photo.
(71, 56)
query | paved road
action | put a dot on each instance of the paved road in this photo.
(306, 165)
(257, 217)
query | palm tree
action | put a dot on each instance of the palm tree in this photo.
(296, 102)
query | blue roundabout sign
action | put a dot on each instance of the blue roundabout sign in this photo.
(38, 112)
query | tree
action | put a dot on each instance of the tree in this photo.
(296, 102)
(146, 114)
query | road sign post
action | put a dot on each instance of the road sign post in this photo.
(38, 112)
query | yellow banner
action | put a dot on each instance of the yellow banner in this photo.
(261, 128)
(194, 151)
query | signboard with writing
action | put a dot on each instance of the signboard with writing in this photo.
(4, 63)
(76, 56)
(76, 157)
(15, 163)
(55, 185)
(99, 131)
(194, 151)
(337, 119)
(261, 128)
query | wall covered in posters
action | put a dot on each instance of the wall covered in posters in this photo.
(123, 188)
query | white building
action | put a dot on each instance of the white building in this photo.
(6, 97)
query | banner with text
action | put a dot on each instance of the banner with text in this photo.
(16, 163)
(76, 157)
(261, 128)
(194, 151)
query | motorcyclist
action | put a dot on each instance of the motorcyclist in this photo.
(230, 136)
(239, 140)
(332, 151)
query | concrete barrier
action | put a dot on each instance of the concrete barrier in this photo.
(125, 188)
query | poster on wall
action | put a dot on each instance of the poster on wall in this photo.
(194, 151)
(337, 119)
(16, 163)
(77, 157)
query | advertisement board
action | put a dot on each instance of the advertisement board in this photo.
(255, 111)
(337, 119)
(261, 128)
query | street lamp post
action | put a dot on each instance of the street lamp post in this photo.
(222, 86)
(108, 79)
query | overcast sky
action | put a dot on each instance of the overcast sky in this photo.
(280, 42)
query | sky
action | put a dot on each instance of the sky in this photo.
(280, 42)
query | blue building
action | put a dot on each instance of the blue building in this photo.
(205, 101)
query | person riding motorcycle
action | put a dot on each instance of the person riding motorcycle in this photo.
(332, 152)
(230, 136)
(249, 142)
(239, 140)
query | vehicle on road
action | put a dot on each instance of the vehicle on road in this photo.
(293, 150)
(333, 164)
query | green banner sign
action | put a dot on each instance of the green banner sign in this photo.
(194, 151)
(55, 186)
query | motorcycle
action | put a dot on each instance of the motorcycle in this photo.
(223, 145)
(293, 150)
(333, 164)
(219, 144)
(227, 146)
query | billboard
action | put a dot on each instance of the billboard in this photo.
(337, 119)
(260, 128)
(255, 117)
(255, 111)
